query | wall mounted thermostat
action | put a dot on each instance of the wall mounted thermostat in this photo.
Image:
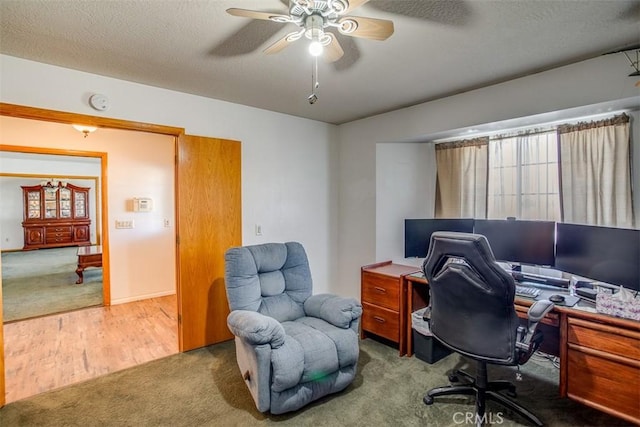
(99, 102)
(142, 204)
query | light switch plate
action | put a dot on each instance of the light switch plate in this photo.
(124, 223)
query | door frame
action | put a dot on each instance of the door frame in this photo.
(33, 113)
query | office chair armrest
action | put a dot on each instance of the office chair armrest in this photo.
(528, 338)
(256, 328)
(339, 311)
(538, 310)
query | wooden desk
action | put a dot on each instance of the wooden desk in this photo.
(383, 295)
(88, 256)
(599, 354)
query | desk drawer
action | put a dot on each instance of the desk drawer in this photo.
(604, 384)
(381, 291)
(381, 321)
(604, 338)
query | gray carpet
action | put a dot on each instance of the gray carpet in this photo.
(204, 388)
(40, 282)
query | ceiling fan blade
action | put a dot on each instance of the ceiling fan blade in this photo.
(283, 42)
(333, 51)
(245, 13)
(368, 28)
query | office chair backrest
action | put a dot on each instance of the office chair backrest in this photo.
(472, 298)
(273, 279)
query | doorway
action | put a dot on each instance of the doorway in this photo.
(133, 171)
(130, 254)
(40, 279)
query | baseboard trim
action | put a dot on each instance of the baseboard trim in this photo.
(142, 297)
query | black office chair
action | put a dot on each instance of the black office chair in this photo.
(472, 313)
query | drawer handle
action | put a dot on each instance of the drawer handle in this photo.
(379, 319)
(381, 290)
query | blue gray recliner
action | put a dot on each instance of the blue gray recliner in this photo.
(292, 347)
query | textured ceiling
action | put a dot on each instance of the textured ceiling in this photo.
(439, 48)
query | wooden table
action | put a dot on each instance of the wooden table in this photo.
(88, 256)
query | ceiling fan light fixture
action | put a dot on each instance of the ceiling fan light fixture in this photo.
(315, 48)
(315, 32)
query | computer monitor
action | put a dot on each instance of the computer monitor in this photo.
(610, 255)
(516, 241)
(417, 233)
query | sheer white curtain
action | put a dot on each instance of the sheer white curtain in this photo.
(596, 172)
(461, 190)
(523, 177)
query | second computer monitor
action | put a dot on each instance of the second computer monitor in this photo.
(417, 233)
(524, 242)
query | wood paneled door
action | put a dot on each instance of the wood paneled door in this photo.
(209, 222)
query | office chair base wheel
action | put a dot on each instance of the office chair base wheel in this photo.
(428, 400)
(453, 378)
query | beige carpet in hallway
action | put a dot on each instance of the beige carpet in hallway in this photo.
(43, 281)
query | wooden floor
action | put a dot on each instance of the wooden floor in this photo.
(50, 352)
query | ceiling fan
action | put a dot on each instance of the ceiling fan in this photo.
(315, 17)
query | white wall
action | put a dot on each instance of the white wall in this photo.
(596, 81)
(405, 188)
(139, 164)
(288, 163)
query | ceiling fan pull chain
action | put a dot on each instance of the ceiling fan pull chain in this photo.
(316, 84)
(314, 81)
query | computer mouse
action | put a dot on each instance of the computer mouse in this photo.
(556, 298)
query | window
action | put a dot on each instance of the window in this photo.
(523, 177)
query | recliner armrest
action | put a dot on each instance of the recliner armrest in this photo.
(256, 328)
(337, 310)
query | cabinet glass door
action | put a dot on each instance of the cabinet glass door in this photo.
(50, 204)
(80, 205)
(33, 204)
(65, 203)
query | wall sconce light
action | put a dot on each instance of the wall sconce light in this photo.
(86, 130)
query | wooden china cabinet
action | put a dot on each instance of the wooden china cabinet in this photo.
(55, 215)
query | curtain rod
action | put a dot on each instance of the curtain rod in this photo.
(522, 133)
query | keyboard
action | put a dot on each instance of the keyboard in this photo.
(527, 291)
